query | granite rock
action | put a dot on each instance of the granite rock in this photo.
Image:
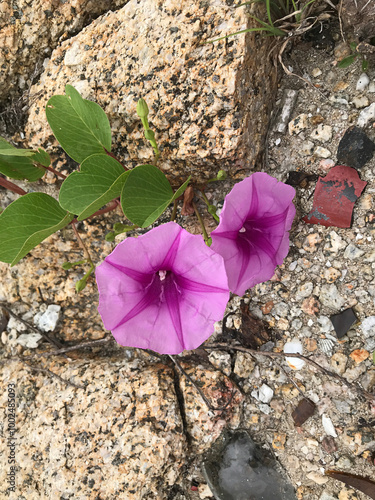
(120, 437)
(30, 29)
(209, 103)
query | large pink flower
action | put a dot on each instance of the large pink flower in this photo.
(162, 291)
(253, 233)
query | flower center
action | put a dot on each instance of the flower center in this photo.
(242, 230)
(162, 275)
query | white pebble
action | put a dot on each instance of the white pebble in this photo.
(294, 347)
(328, 426)
(366, 115)
(48, 320)
(363, 81)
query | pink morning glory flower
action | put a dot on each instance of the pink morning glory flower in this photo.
(253, 233)
(162, 291)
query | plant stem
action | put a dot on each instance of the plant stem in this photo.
(115, 158)
(174, 211)
(110, 207)
(213, 211)
(51, 169)
(12, 187)
(83, 246)
(205, 235)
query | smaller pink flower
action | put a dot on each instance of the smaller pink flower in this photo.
(253, 234)
(162, 291)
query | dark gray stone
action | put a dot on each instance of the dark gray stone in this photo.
(237, 469)
(355, 148)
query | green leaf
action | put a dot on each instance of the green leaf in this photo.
(42, 157)
(81, 126)
(27, 222)
(146, 194)
(347, 61)
(18, 163)
(364, 65)
(99, 181)
(181, 189)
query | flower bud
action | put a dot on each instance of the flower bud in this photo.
(67, 265)
(142, 108)
(221, 175)
(149, 134)
(80, 285)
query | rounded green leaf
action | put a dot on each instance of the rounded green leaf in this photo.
(19, 163)
(81, 126)
(27, 222)
(145, 195)
(99, 181)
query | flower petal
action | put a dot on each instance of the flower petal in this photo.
(166, 313)
(253, 246)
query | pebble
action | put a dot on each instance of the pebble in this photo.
(368, 326)
(322, 133)
(298, 124)
(366, 115)
(352, 252)
(371, 87)
(304, 290)
(316, 119)
(311, 241)
(340, 86)
(339, 362)
(317, 478)
(221, 360)
(341, 50)
(281, 309)
(325, 324)
(361, 102)
(316, 72)
(278, 442)
(294, 347)
(368, 380)
(47, 320)
(331, 274)
(330, 297)
(338, 101)
(359, 355)
(244, 365)
(362, 82)
(204, 491)
(307, 148)
(326, 164)
(328, 426)
(353, 374)
(263, 394)
(329, 444)
(335, 243)
(29, 340)
(322, 152)
(310, 305)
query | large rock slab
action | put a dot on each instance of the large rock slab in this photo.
(120, 437)
(209, 103)
(30, 29)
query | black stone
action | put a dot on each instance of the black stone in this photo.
(343, 321)
(355, 148)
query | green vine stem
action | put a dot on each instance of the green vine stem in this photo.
(207, 239)
(211, 208)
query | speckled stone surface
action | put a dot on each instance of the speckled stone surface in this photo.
(209, 103)
(120, 437)
(30, 29)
